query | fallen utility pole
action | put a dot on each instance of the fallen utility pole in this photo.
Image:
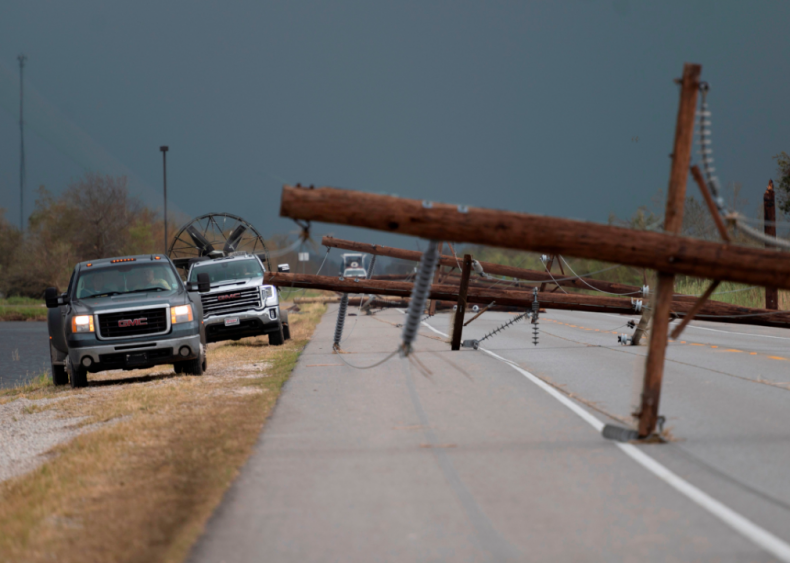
(489, 267)
(354, 301)
(711, 311)
(444, 292)
(522, 231)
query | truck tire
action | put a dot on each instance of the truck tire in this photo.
(78, 375)
(198, 365)
(277, 338)
(287, 332)
(178, 367)
(59, 375)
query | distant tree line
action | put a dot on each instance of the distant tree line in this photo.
(95, 217)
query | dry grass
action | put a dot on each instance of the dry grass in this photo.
(142, 487)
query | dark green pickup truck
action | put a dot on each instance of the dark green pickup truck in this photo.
(126, 313)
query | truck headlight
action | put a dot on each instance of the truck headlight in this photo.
(181, 314)
(82, 323)
(268, 291)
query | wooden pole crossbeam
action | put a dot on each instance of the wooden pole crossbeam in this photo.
(458, 324)
(694, 309)
(480, 312)
(673, 222)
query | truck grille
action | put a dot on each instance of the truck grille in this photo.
(231, 301)
(128, 324)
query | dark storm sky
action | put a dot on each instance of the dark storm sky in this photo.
(531, 106)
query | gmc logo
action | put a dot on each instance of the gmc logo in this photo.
(229, 296)
(133, 322)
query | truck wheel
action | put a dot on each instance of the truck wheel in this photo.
(59, 375)
(277, 338)
(287, 332)
(193, 367)
(197, 366)
(78, 376)
(178, 367)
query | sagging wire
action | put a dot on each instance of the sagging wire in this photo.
(595, 288)
(419, 295)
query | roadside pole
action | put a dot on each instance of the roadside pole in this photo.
(673, 221)
(164, 150)
(769, 221)
(458, 326)
(432, 306)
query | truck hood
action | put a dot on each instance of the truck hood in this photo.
(234, 286)
(130, 301)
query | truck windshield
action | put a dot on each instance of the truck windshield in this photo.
(126, 278)
(226, 271)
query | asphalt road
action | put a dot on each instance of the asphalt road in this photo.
(482, 460)
(24, 352)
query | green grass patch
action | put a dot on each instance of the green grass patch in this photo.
(42, 383)
(22, 313)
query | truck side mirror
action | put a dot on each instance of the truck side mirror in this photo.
(51, 297)
(285, 268)
(203, 283)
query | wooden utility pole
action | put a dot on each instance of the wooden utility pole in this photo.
(512, 297)
(673, 221)
(535, 276)
(522, 231)
(769, 220)
(458, 325)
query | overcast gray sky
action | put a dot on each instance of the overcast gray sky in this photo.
(530, 106)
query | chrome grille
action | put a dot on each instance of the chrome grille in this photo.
(111, 325)
(234, 301)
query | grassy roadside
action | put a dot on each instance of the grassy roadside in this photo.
(22, 309)
(141, 486)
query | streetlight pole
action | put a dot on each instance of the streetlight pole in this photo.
(21, 58)
(164, 150)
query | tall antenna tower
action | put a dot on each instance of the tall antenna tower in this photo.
(22, 58)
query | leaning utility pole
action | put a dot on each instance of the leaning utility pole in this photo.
(22, 58)
(673, 221)
(769, 220)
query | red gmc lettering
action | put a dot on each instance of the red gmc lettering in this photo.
(133, 322)
(231, 296)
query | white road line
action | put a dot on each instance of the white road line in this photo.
(763, 538)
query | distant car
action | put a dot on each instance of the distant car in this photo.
(355, 273)
(238, 304)
(129, 312)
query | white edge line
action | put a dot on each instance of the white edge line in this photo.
(763, 538)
